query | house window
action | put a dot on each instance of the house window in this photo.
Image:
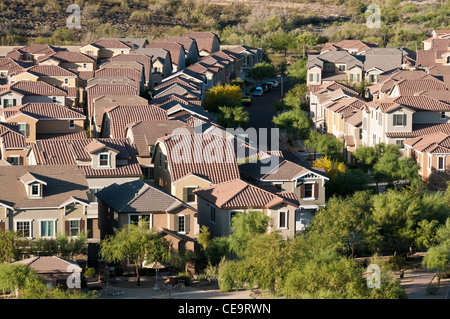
(373, 78)
(279, 186)
(441, 164)
(374, 139)
(160, 159)
(283, 220)
(54, 99)
(84, 66)
(429, 162)
(148, 172)
(66, 81)
(341, 68)
(35, 190)
(190, 196)
(212, 214)
(161, 183)
(92, 192)
(103, 159)
(181, 224)
(134, 219)
(443, 116)
(74, 227)
(308, 190)
(9, 102)
(380, 119)
(360, 133)
(23, 128)
(165, 162)
(14, 160)
(399, 119)
(23, 228)
(71, 124)
(47, 228)
(400, 143)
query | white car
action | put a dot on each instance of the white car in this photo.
(274, 83)
(258, 91)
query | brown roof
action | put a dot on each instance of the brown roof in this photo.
(69, 152)
(122, 115)
(11, 137)
(411, 87)
(50, 71)
(421, 130)
(63, 182)
(235, 194)
(34, 88)
(438, 143)
(103, 103)
(12, 66)
(143, 59)
(68, 56)
(176, 50)
(145, 133)
(360, 46)
(50, 264)
(200, 158)
(44, 111)
(204, 40)
(111, 44)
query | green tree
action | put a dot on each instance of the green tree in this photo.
(16, 277)
(437, 258)
(323, 143)
(11, 245)
(204, 237)
(281, 42)
(262, 71)
(232, 116)
(297, 71)
(135, 243)
(296, 123)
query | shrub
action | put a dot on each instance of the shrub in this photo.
(186, 277)
(90, 272)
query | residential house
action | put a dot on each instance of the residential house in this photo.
(143, 59)
(185, 162)
(177, 53)
(106, 48)
(381, 60)
(190, 46)
(283, 175)
(117, 118)
(251, 57)
(176, 105)
(42, 201)
(31, 53)
(34, 119)
(136, 42)
(53, 270)
(207, 42)
(392, 120)
(70, 60)
(103, 103)
(432, 153)
(13, 144)
(52, 74)
(218, 204)
(334, 66)
(355, 47)
(180, 86)
(131, 202)
(32, 92)
(103, 162)
(161, 63)
(144, 135)
(122, 72)
(9, 67)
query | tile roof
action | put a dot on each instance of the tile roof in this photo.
(120, 72)
(42, 111)
(147, 132)
(34, 88)
(204, 40)
(143, 59)
(67, 56)
(176, 50)
(111, 44)
(50, 71)
(49, 264)
(122, 115)
(437, 143)
(13, 66)
(139, 196)
(411, 87)
(11, 137)
(71, 151)
(421, 130)
(360, 46)
(235, 194)
(208, 156)
(103, 103)
(64, 182)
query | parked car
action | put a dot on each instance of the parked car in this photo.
(265, 88)
(274, 83)
(246, 100)
(269, 85)
(258, 91)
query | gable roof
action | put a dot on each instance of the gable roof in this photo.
(63, 182)
(11, 136)
(237, 194)
(42, 70)
(208, 156)
(205, 40)
(143, 59)
(44, 111)
(49, 264)
(436, 143)
(139, 196)
(349, 45)
(34, 88)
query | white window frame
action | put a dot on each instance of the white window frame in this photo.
(187, 196)
(71, 124)
(443, 164)
(26, 126)
(395, 116)
(100, 159)
(54, 220)
(232, 212)
(312, 191)
(30, 221)
(70, 220)
(430, 158)
(39, 186)
(15, 157)
(140, 215)
(286, 212)
(184, 224)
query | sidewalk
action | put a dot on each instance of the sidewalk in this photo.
(416, 282)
